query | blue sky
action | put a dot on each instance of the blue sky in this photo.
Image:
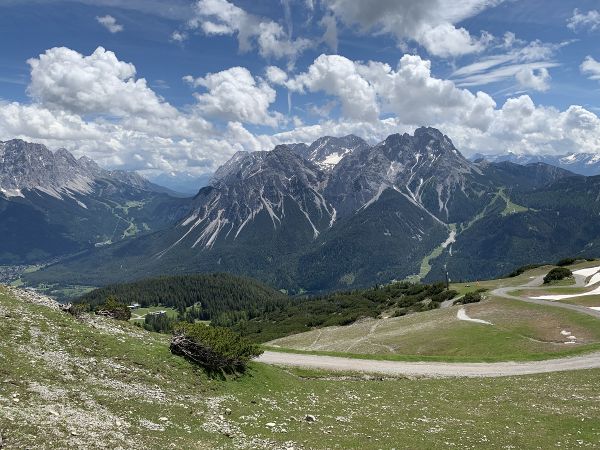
(136, 84)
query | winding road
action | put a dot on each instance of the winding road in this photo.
(536, 284)
(443, 369)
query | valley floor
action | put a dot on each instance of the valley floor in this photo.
(97, 383)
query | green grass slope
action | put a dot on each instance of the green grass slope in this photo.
(520, 331)
(102, 384)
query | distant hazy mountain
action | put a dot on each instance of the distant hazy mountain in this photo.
(581, 163)
(407, 206)
(52, 203)
(182, 184)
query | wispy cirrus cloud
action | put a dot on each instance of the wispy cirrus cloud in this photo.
(526, 64)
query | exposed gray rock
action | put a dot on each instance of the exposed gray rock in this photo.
(327, 151)
(27, 166)
(426, 167)
(274, 186)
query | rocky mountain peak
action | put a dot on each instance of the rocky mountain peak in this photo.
(26, 166)
(429, 132)
(89, 165)
(256, 193)
(425, 166)
(66, 155)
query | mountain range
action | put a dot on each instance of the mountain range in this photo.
(580, 163)
(340, 214)
(53, 204)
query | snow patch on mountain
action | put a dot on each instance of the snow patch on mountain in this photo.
(327, 152)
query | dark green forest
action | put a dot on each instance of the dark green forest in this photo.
(221, 298)
(261, 313)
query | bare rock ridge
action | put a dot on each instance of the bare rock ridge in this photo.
(314, 186)
(271, 187)
(26, 166)
(53, 204)
(327, 151)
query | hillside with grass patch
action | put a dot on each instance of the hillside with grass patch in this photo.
(97, 383)
(493, 329)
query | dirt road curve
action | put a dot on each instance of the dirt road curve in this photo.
(431, 369)
(435, 369)
(536, 284)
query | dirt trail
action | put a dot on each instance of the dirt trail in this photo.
(431, 369)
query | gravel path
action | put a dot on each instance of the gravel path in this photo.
(440, 369)
(431, 369)
(536, 284)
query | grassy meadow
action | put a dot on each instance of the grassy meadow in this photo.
(95, 383)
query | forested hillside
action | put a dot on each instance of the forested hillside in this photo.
(221, 297)
(263, 314)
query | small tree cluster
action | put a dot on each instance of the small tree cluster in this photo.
(558, 273)
(214, 348)
(470, 297)
(159, 323)
(78, 309)
(443, 296)
(114, 309)
(522, 269)
(566, 262)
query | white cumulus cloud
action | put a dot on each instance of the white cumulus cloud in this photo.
(591, 68)
(536, 79)
(410, 92)
(234, 94)
(179, 36)
(581, 21)
(431, 23)
(338, 76)
(62, 78)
